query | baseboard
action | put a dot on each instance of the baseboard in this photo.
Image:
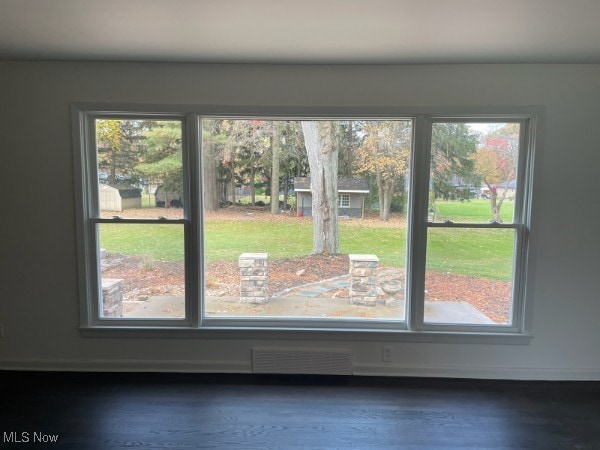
(106, 365)
(478, 372)
(388, 370)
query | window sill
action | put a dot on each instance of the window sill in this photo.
(363, 335)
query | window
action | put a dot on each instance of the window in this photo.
(306, 263)
(474, 224)
(344, 200)
(194, 221)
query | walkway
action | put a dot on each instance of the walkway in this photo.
(324, 299)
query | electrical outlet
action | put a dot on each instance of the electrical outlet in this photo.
(386, 353)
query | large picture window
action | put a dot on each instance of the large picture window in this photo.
(322, 207)
(202, 222)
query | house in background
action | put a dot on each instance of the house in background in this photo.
(510, 187)
(351, 196)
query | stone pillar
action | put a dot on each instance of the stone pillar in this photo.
(112, 297)
(363, 279)
(254, 278)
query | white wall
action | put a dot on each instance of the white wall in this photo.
(39, 304)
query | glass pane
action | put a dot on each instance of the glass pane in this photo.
(140, 170)
(473, 172)
(273, 252)
(143, 272)
(468, 278)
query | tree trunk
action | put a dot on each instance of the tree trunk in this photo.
(323, 161)
(232, 168)
(252, 193)
(211, 191)
(494, 204)
(388, 194)
(497, 217)
(275, 170)
(286, 188)
(232, 187)
(380, 195)
(113, 166)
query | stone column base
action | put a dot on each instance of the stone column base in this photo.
(363, 279)
(254, 278)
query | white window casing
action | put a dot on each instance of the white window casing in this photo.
(414, 328)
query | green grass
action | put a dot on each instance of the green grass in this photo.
(388, 244)
(476, 252)
(472, 211)
(159, 242)
(225, 240)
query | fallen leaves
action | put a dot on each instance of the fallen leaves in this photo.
(491, 297)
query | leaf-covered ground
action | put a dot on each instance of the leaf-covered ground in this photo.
(150, 278)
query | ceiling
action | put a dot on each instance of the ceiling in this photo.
(302, 31)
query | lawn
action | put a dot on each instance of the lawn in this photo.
(483, 253)
(472, 211)
(159, 242)
(477, 252)
(226, 239)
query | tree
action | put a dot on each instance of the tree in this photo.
(213, 141)
(452, 145)
(323, 161)
(294, 160)
(118, 148)
(496, 164)
(384, 155)
(274, 144)
(252, 138)
(349, 136)
(162, 159)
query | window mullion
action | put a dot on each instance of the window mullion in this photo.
(417, 233)
(519, 277)
(194, 256)
(523, 177)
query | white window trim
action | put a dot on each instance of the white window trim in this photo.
(89, 218)
(341, 200)
(521, 225)
(413, 329)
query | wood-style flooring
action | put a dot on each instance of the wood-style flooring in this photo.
(107, 411)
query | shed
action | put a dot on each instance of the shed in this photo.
(119, 197)
(351, 196)
(166, 198)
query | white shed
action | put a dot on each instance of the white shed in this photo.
(119, 197)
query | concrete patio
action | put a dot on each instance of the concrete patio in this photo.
(304, 307)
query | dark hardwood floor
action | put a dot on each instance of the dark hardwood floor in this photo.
(182, 411)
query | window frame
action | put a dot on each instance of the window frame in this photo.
(89, 218)
(520, 224)
(341, 200)
(412, 328)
